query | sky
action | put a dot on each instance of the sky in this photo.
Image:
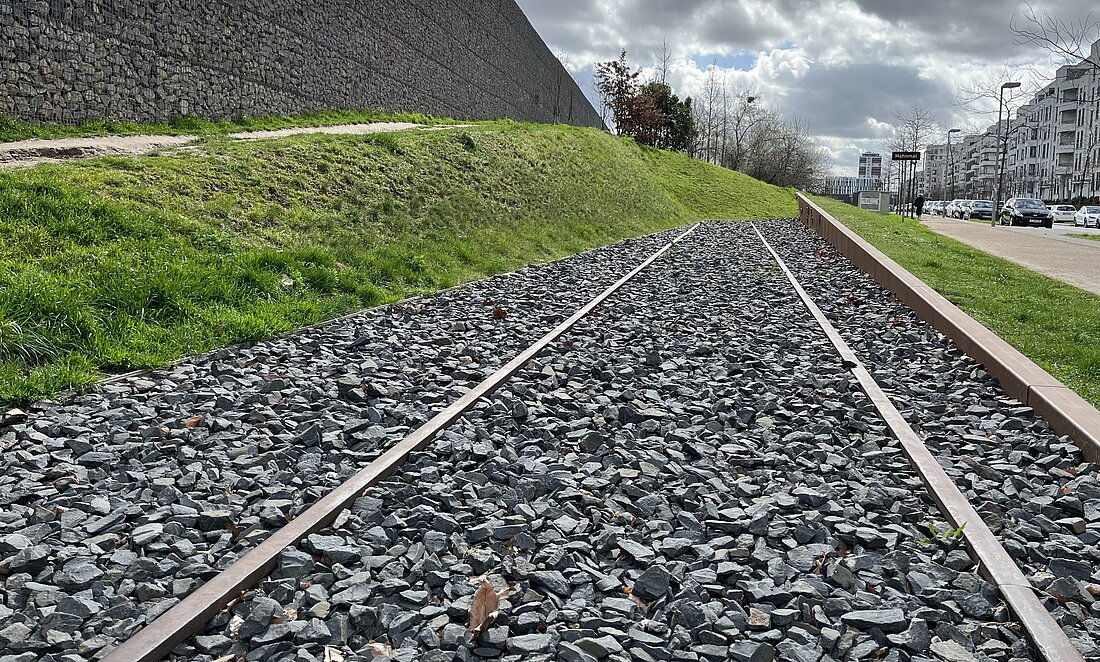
(843, 68)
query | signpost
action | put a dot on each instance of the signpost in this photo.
(908, 178)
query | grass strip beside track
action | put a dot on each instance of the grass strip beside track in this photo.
(1052, 323)
(112, 264)
(1090, 237)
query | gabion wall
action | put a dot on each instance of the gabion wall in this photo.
(154, 60)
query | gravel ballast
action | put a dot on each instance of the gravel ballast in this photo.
(118, 503)
(691, 474)
(1030, 485)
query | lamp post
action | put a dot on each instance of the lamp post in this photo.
(951, 162)
(1002, 147)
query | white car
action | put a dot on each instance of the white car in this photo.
(1063, 213)
(1088, 216)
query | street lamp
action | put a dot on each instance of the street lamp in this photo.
(951, 162)
(1002, 147)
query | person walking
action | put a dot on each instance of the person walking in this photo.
(918, 204)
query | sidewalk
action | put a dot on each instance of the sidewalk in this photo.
(29, 153)
(1073, 261)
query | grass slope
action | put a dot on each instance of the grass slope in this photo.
(12, 129)
(117, 263)
(1052, 323)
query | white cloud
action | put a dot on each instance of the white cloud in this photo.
(841, 66)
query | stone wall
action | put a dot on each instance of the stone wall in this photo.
(153, 60)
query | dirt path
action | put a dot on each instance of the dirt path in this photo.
(1076, 262)
(29, 153)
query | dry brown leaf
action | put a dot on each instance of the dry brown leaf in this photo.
(234, 602)
(379, 650)
(193, 422)
(483, 608)
(500, 313)
(638, 601)
(485, 605)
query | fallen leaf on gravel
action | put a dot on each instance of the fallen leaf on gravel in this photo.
(499, 313)
(379, 650)
(484, 607)
(635, 599)
(193, 422)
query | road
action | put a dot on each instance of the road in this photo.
(1049, 252)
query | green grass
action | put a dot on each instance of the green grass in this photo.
(1090, 237)
(112, 264)
(1052, 323)
(12, 129)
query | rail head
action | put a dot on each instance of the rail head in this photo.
(173, 627)
(1063, 409)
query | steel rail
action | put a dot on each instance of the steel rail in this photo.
(174, 626)
(994, 561)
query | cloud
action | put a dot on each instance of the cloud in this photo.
(842, 67)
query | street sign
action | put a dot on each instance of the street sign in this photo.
(906, 156)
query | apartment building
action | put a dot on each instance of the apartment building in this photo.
(870, 165)
(1052, 145)
(1054, 140)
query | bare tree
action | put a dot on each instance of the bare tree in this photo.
(980, 97)
(664, 61)
(913, 130)
(1067, 40)
(708, 115)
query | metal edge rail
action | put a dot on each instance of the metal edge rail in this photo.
(994, 561)
(1066, 411)
(171, 628)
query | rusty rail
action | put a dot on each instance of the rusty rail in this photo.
(994, 561)
(181, 621)
(1065, 411)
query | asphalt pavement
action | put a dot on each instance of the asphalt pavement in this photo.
(1050, 252)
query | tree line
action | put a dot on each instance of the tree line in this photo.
(725, 126)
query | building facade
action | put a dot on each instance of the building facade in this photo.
(1051, 146)
(870, 165)
(846, 188)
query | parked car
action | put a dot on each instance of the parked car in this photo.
(1087, 216)
(962, 208)
(1063, 213)
(949, 210)
(980, 209)
(1026, 211)
(937, 207)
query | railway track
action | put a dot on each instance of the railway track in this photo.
(701, 467)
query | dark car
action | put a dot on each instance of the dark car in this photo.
(980, 209)
(1026, 211)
